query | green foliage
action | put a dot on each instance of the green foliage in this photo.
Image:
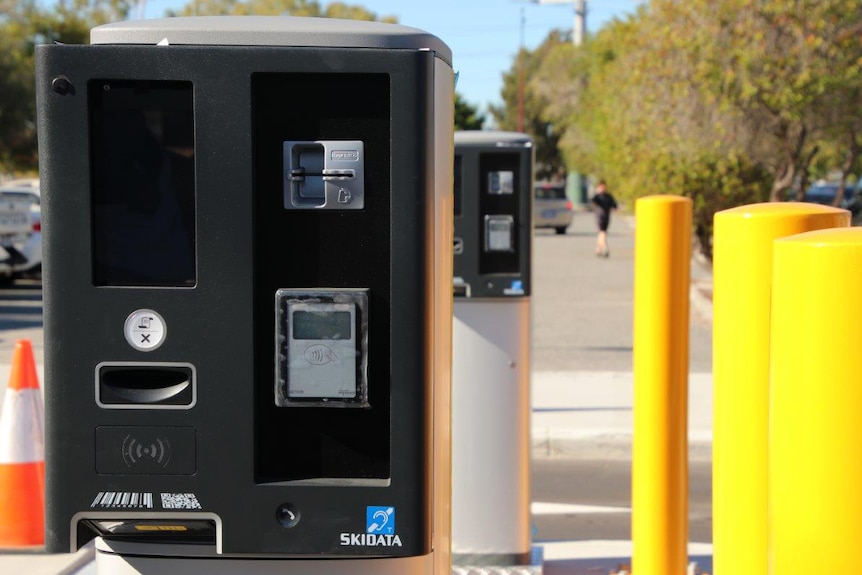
(726, 101)
(278, 7)
(778, 65)
(467, 116)
(23, 25)
(718, 183)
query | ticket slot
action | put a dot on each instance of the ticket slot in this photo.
(145, 385)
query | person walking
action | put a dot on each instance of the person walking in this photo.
(604, 203)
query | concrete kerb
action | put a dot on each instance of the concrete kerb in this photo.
(599, 444)
(589, 415)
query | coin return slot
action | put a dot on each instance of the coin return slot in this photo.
(154, 386)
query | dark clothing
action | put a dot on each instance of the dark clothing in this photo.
(605, 203)
(603, 220)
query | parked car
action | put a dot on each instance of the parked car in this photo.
(20, 229)
(552, 209)
(823, 192)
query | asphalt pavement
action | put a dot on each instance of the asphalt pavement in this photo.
(581, 379)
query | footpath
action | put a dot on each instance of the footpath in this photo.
(581, 382)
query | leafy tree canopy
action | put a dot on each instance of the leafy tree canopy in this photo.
(23, 25)
(279, 7)
(727, 101)
(467, 116)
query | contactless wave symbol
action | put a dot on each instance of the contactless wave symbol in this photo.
(158, 451)
(380, 520)
(320, 355)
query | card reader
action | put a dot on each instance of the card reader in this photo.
(322, 340)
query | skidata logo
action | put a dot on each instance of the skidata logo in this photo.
(379, 529)
(517, 288)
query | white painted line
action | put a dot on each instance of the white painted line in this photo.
(542, 508)
(563, 550)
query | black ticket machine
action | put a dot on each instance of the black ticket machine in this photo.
(248, 269)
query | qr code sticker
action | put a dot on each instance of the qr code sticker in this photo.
(180, 501)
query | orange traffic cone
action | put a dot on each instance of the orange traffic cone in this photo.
(22, 459)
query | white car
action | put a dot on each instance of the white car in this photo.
(551, 208)
(20, 229)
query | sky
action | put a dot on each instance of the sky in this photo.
(484, 35)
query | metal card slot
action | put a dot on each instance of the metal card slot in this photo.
(325, 174)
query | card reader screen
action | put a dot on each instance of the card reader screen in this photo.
(321, 325)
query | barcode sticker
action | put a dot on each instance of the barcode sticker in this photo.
(122, 500)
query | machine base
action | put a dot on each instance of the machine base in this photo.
(125, 558)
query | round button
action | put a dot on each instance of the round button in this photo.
(287, 515)
(145, 330)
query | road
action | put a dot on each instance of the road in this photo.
(21, 318)
(591, 500)
(582, 305)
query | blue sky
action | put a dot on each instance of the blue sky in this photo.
(484, 34)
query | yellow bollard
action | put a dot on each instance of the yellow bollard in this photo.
(742, 280)
(660, 442)
(815, 435)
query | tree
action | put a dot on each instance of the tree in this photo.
(22, 26)
(278, 7)
(778, 65)
(841, 146)
(727, 101)
(467, 116)
(17, 99)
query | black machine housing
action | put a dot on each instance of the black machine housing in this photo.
(493, 185)
(167, 238)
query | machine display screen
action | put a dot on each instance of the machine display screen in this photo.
(142, 147)
(321, 325)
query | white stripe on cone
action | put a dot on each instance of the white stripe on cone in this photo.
(21, 425)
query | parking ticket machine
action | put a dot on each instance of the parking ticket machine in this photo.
(491, 348)
(248, 227)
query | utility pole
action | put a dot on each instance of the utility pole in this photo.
(579, 27)
(521, 75)
(575, 182)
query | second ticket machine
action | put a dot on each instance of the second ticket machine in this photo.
(491, 348)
